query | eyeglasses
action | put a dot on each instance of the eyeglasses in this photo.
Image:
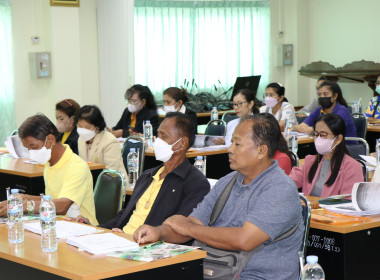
(239, 104)
(133, 101)
(321, 134)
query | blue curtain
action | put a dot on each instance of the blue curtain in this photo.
(7, 112)
(208, 43)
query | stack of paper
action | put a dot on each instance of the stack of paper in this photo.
(63, 229)
(102, 243)
(152, 252)
(15, 147)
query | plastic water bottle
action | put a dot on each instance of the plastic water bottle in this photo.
(312, 270)
(48, 221)
(200, 164)
(356, 107)
(377, 152)
(15, 211)
(148, 133)
(214, 114)
(287, 125)
(293, 142)
(133, 167)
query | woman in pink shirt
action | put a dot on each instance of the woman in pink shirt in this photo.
(332, 171)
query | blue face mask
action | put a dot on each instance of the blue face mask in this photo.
(378, 89)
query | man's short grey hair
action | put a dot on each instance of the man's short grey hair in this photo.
(264, 132)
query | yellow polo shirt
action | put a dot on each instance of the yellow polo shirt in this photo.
(71, 178)
(144, 205)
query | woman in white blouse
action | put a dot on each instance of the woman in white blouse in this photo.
(277, 104)
(243, 102)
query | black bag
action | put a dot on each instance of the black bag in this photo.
(223, 264)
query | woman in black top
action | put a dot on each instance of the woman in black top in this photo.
(65, 115)
(175, 100)
(141, 107)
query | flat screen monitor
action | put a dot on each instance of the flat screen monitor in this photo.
(250, 82)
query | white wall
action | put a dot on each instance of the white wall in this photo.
(335, 31)
(344, 31)
(70, 34)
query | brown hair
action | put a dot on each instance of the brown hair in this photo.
(177, 94)
(68, 106)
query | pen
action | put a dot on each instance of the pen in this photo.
(153, 244)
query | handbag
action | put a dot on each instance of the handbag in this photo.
(225, 264)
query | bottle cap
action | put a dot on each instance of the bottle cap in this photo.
(14, 190)
(148, 121)
(200, 157)
(47, 197)
(312, 259)
(213, 108)
(132, 150)
(293, 132)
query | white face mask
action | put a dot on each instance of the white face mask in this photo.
(42, 155)
(134, 107)
(170, 108)
(162, 150)
(85, 134)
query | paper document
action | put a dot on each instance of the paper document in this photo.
(371, 160)
(102, 243)
(302, 135)
(365, 201)
(152, 252)
(211, 148)
(63, 229)
(15, 147)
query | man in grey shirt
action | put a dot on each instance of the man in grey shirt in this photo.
(263, 204)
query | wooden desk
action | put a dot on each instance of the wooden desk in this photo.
(15, 173)
(373, 128)
(305, 140)
(346, 251)
(26, 261)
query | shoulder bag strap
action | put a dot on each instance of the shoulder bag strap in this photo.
(221, 202)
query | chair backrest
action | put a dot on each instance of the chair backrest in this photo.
(138, 143)
(229, 116)
(306, 215)
(361, 123)
(365, 171)
(294, 159)
(109, 194)
(216, 127)
(360, 148)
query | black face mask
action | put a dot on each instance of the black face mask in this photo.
(325, 102)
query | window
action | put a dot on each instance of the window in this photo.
(201, 45)
(7, 115)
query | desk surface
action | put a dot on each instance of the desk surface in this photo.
(305, 140)
(373, 128)
(374, 222)
(19, 167)
(70, 263)
(205, 114)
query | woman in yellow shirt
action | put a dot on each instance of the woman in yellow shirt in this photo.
(65, 113)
